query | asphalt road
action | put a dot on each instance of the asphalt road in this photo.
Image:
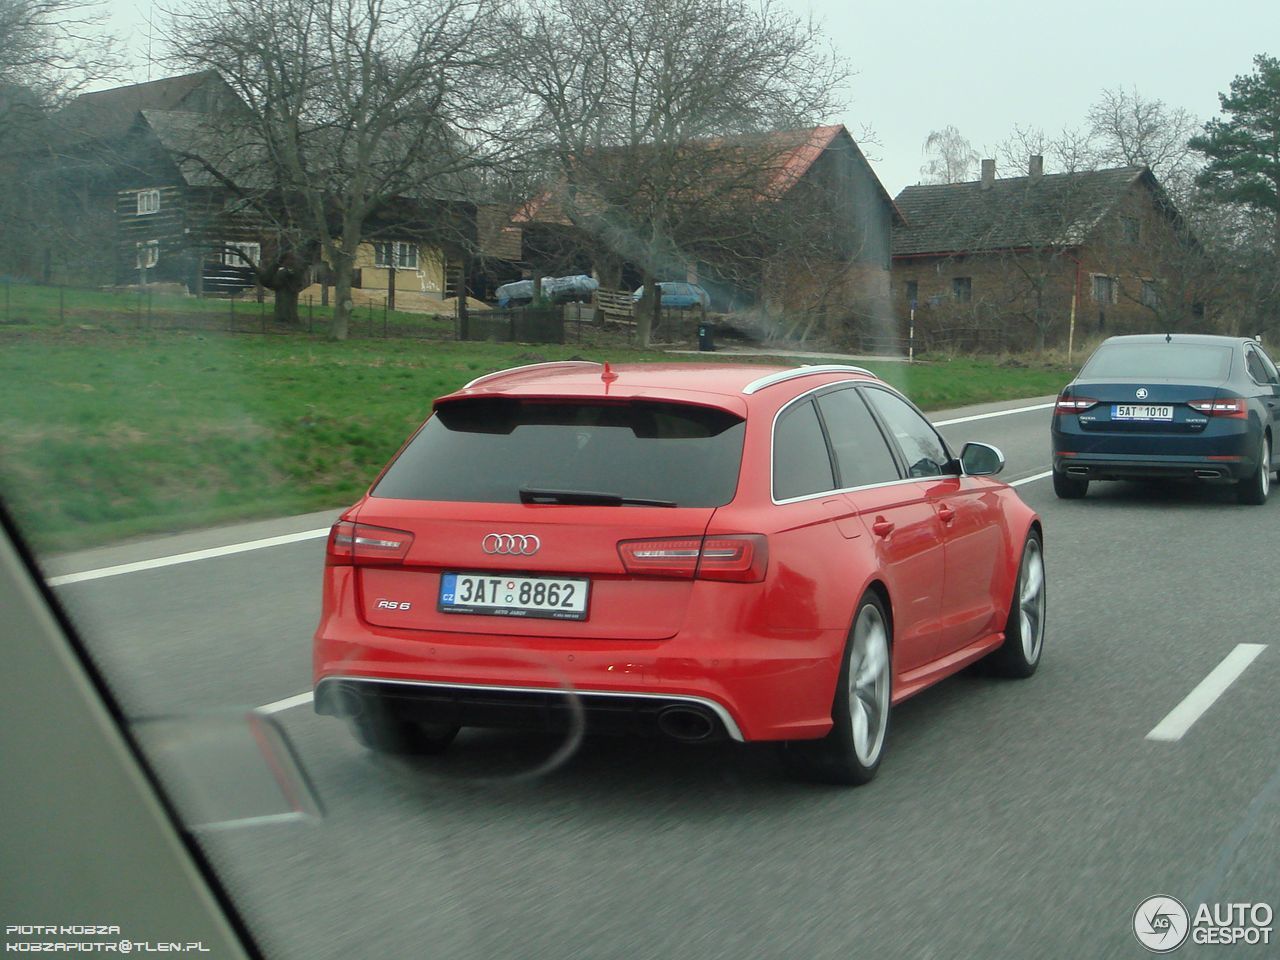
(1010, 818)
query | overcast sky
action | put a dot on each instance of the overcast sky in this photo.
(985, 66)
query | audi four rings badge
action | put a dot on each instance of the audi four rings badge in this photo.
(511, 544)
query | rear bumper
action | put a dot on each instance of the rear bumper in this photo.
(757, 680)
(1128, 467)
(539, 708)
(1226, 450)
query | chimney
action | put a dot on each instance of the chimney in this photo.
(988, 174)
(1035, 169)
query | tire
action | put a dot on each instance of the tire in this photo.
(377, 729)
(1019, 655)
(1069, 488)
(851, 753)
(1254, 489)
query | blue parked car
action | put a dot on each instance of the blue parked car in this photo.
(555, 289)
(678, 294)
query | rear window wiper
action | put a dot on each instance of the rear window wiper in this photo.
(589, 498)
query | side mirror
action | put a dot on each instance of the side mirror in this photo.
(981, 460)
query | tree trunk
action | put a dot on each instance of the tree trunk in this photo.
(286, 307)
(647, 310)
(342, 306)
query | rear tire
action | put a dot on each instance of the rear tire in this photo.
(850, 754)
(1254, 489)
(1019, 655)
(1069, 488)
(379, 730)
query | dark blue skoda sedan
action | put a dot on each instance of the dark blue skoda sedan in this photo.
(1170, 406)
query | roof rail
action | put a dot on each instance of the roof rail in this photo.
(755, 386)
(531, 366)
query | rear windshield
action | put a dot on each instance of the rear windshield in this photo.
(1162, 361)
(485, 451)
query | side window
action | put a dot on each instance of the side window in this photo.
(862, 453)
(801, 463)
(1257, 369)
(1273, 375)
(925, 453)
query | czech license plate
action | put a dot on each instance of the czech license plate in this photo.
(507, 596)
(1141, 411)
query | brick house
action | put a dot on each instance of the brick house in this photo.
(789, 224)
(1003, 262)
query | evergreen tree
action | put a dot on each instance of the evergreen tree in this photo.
(1243, 148)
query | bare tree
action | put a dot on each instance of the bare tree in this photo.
(653, 113)
(1129, 130)
(54, 47)
(949, 157)
(352, 106)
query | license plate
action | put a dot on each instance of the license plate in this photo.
(547, 598)
(1140, 411)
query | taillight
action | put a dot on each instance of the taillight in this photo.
(1231, 407)
(360, 544)
(1069, 404)
(740, 558)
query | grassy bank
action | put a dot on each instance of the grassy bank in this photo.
(105, 436)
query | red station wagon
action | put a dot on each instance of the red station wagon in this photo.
(697, 551)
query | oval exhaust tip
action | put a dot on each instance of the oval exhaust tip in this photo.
(689, 724)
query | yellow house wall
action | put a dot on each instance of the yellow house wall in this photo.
(418, 291)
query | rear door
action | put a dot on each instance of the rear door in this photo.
(1264, 374)
(898, 517)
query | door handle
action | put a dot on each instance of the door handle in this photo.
(946, 514)
(881, 527)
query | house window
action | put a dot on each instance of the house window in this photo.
(237, 254)
(913, 293)
(148, 254)
(1105, 289)
(962, 289)
(1130, 229)
(148, 201)
(396, 253)
(1150, 295)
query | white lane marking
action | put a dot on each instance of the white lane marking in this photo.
(233, 548)
(286, 703)
(191, 557)
(1031, 479)
(988, 416)
(1207, 691)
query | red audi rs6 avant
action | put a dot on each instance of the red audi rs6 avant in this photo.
(697, 551)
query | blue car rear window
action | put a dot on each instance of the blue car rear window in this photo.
(1162, 361)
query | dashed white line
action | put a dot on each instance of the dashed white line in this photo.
(988, 416)
(191, 557)
(1031, 479)
(1207, 691)
(287, 703)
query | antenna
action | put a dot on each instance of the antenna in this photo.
(1168, 338)
(151, 14)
